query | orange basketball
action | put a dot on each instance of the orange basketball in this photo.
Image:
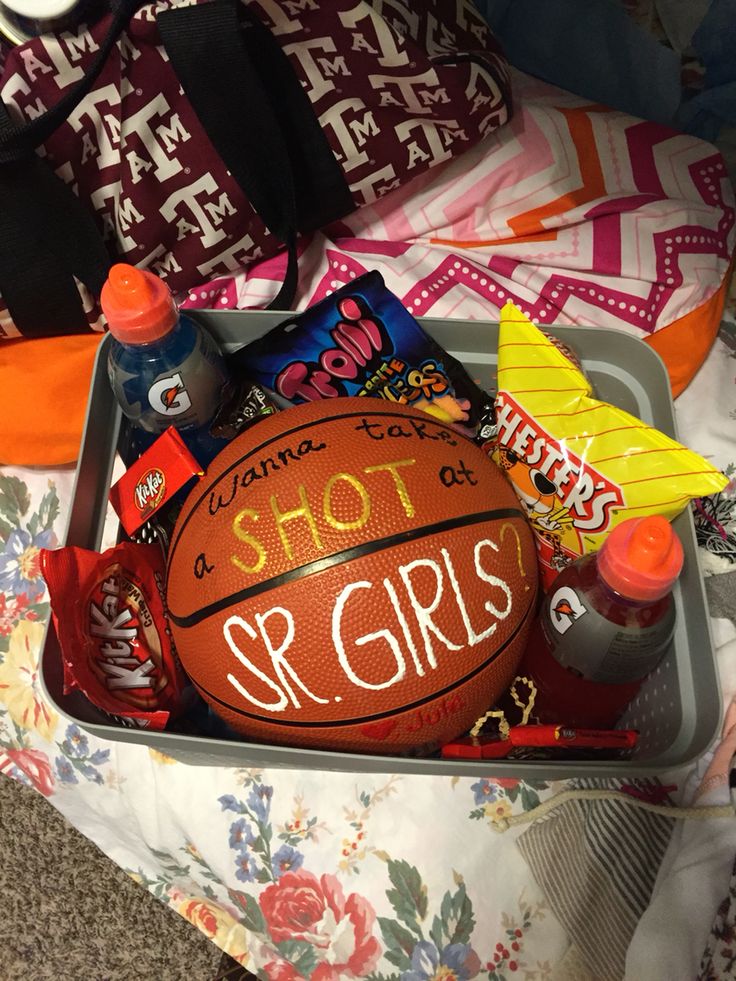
(351, 574)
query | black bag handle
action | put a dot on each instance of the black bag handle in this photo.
(236, 111)
(268, 136)
(47, 236)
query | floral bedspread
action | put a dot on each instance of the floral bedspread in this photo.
(296, 875)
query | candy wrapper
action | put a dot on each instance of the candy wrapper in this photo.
(108, 611)
(151, 481)
(361, 340)
(578, 465)
(247, 404)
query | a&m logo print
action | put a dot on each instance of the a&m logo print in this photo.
(396, 89)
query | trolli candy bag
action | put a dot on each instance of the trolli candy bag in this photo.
(108, 611)
(578, 465)
(361, 340)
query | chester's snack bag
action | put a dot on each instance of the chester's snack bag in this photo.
(361, 340)
(578, 465)
(108, 611)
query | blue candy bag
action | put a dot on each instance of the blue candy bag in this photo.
(361, 340)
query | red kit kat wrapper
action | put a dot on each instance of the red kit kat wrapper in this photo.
(109, 615)
(153, 480)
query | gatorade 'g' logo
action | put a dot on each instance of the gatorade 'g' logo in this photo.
(565, 608)
(169, 396)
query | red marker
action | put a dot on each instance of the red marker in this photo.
(565, 736)
(545, 736)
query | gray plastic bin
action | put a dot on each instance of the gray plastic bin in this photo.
(677, 711)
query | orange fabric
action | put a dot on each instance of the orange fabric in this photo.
(44, 384)
(479, 243)
(592, 185)
(684, 344)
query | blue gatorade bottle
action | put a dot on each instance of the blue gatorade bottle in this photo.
(164, 368)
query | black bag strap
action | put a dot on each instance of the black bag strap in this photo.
(37, 287)
(266, 134)
(47, 236)
(235, 110)
(47, 239)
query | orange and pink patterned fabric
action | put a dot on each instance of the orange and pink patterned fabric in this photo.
(578, 213)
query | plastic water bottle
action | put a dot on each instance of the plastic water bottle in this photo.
(165, 370)
(604, 625)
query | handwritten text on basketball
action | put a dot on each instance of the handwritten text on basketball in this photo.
(304, 512)
(406, 640)
(259, 469)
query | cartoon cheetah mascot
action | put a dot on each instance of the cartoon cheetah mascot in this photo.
(550, 520)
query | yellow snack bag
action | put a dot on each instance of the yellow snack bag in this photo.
(578, 465)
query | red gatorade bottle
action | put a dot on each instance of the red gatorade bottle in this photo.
(604, 624)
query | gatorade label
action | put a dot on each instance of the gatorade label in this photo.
(168, 395)
(190, 395)
(594, 648)
(186, 394)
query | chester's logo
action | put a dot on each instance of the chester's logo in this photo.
(557, 474)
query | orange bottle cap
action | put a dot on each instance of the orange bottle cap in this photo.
(138, 305)
(641, 558)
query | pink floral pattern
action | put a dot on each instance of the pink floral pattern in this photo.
(301, 907)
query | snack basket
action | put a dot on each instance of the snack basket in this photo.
(677, 712)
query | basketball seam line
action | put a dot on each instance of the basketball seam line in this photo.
(332, 724)
(290, 432)
(338, 558)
